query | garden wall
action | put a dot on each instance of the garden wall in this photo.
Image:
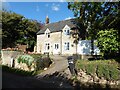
(7, 55)
(9, 58)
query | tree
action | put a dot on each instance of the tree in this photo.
(92, 17)
(10, 31)
(18, 30)
(108, 43)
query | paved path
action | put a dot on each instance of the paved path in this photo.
(60, 64)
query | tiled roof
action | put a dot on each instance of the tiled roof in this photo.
(58, 26)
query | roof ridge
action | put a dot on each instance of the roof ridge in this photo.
(61, 21)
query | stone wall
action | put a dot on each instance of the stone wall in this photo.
(7, 55)
(9, 58)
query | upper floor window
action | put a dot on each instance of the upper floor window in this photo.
(67, 32)
(48, 35)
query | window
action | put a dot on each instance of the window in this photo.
(48, 35)
(47, 46)
(67, 32)
(56, 46)
(66, 46)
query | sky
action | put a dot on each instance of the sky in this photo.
(56, 11)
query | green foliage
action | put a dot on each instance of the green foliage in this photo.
(18, 71)
(107, 41)
(103, 71)
(42, 63)
(90, 69)
(103, 68)
(27, 59)
(16, 29)
(95, 16)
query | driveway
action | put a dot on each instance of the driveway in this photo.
(60, 64)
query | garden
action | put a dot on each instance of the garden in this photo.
(29, 64)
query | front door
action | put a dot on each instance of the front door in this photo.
(56, 49)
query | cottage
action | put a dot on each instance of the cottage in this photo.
(55, 38)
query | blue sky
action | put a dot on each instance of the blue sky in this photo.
(56, 11)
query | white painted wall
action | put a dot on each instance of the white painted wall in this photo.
(84, 48)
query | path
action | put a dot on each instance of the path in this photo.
(60, 64)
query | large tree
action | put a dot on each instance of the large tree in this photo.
(16, 29)
(94, 16)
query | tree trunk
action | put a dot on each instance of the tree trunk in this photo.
(92, 46)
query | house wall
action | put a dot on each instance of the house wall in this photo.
(68, 38)
(55, 38)
(40, 41)
(83, 47)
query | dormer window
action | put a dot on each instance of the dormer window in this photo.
(48, 35)
(67, 32)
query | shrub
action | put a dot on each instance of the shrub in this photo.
(27, 59)
(108, 43)
(41, 63)
(103, 68)
(91, 69)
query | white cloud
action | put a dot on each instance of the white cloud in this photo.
(68, 18)
(55, 7)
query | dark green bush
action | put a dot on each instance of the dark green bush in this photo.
(42, 63)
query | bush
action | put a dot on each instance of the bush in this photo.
(108, 43)
(90, 69)
(42, 63)
(103, 68)
(27, 59)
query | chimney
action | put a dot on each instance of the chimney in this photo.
(47, 20)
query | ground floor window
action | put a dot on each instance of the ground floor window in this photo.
(56, 46)
(66, 45)
(47, 46)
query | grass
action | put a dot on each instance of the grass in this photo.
(109, 69)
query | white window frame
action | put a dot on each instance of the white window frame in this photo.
(67, 31)
(66, 46)
(47, 46)
(56, 46)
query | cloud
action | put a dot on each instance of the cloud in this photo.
(68, 18)
(55, 7)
